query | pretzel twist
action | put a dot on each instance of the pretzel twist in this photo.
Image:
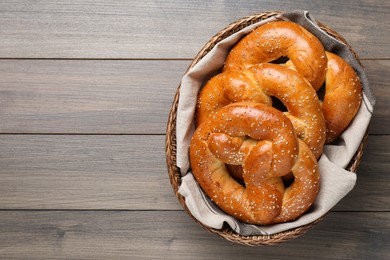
(262, 140)
(268, 80)
(279, 39)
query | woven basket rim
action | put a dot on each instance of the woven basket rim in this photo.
(170, 142)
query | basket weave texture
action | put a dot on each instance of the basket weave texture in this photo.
(170, 145)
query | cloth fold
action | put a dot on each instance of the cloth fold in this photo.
(336, 182)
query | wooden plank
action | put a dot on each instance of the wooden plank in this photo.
(371, 188)
(84, 172)
(173, 235)
(379, 77)
(129, 172)
(111, 96)
(87, 96)
(165, 29)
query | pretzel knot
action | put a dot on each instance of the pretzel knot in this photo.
(262, 81)
(262, 141)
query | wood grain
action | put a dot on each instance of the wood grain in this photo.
(173, 235)
(129, 172)
(165, 29)
(84, 172)
(379, 78)
(61, 96)
(371, 191)
(110, 96)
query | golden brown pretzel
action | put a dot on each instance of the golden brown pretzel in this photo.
(278, 39)
(300, 99)
(267, 79)
(262, 140)
(225, 88)
(343, 95)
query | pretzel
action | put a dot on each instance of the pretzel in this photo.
(267, 79)
(225, 88)
(343, 95)
(274, 40)
(262, 140)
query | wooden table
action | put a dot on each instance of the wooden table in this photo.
(85, 91)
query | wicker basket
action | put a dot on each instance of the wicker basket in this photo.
(174, 173)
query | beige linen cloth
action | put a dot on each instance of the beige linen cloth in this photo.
(336, 182)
